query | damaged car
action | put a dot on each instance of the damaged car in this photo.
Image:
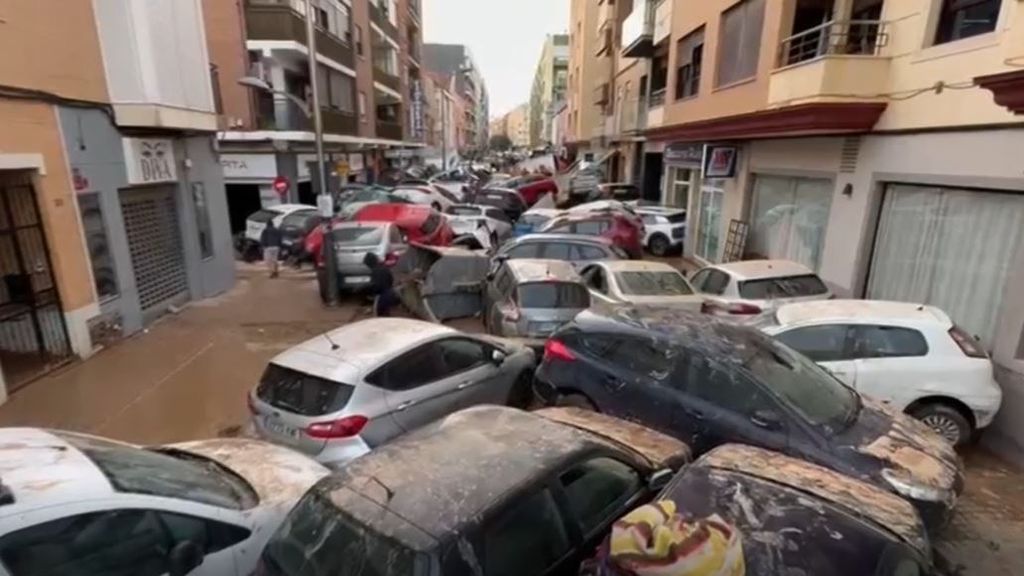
(710, 382)
(791, 517)
(640, 282)
(77, 504)
(488, 490)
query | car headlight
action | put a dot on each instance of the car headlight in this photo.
(909, 488)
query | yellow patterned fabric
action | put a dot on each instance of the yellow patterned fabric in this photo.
(656, 541)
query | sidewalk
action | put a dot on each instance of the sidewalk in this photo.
(186, 377)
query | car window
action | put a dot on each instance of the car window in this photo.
(527, 538)
(653, 283)
(596, 491)
(413, 369)
(595, 279)
(461, 354)
(719, 386)
(583, 253)
(699, 279)
(358, 237)
(551, 295)
(556, 251)
(819, 343)
(640, 356)
(498, 215)
(211, 536)
(789, 287)
(567, 228)
(649, 220)
(263, 216)
(523, 251)
(716, 282)
(301, 393)
(888, 342)
(111, 543)
(592, 227)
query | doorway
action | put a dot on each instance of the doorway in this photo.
(33, 336)
(652, 177)
(243, 201)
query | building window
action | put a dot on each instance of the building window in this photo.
(103, 271)
(965, 18)
(709, 227)
(362, 106)
(336, 90)
(789, 218)
(202, 220)
(682, 182)
(359, 41)
(689, 58)
(740, 42)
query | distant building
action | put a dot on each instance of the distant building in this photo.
(518, 125)
(549, 86)
(456, 61)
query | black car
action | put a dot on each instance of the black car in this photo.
(505, 199)
(709, 382)
(794, 517)
(488, 490)
(294, 229)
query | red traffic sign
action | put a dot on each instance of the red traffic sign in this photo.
(281, 186)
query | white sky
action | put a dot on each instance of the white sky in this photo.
(504, 36)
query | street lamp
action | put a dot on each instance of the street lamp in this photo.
(326, 202)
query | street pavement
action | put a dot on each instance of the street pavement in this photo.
(187, 376)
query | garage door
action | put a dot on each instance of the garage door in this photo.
(154, 240)
(952, 248)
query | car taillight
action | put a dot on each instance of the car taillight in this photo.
(737, 309)
(556, 350)
(970, 346)
(346, 427)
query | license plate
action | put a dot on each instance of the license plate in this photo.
(280, 429)
(357, 280)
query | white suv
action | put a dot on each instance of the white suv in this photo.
(910, 356)
(76, 504)
(665, 228)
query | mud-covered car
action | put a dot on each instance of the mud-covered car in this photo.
(488, 490)
(710, 382)
(794, 517)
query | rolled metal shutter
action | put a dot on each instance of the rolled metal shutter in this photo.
(154, 240)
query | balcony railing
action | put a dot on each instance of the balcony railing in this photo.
(657, 98)
(285, 115)
(852, 38)
(381, 16)
(285, 20)
(387, 79)
(389, 130)
(632, 115)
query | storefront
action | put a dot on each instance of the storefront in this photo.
(682, 173)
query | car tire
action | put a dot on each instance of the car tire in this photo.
(947, 421)
(521, 394)
(575, 401)
(659, 245)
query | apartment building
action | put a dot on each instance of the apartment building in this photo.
(518, 123)
(456, 61)
(112, 205)
(370, 80)
(586, 72)
(877, 141)
(442, 120)
(549, 87)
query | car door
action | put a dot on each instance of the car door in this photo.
(829, 345)
(479, 377)
(893, 365)
(420, 388)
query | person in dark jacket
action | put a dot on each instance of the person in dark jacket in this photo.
(382, 286)
(270, 240)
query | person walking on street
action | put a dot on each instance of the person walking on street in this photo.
(270, 240)
(382, 286)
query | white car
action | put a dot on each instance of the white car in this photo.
(751, 287)
(910, 356)
(665, 228)
(77, 504)
(467, 218)
(257, 221)
(433, 196)
(640, 282)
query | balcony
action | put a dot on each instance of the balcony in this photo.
(389, 130)
(632, 116)
(283, 20)
(380, 16)
(638, 31)
(387, 79)
(834, 62)
(656, 109)
(662, 21)
(287, 116)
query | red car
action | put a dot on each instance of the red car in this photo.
(620, 229)
(533, 187)
(421, 224)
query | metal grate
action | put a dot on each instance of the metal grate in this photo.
(849, 156)
(154, 240)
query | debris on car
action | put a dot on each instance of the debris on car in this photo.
(438, 284)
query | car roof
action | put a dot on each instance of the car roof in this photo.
(392, 212)
(761, 269)
(536, 270)
(41, 469)
(861, 311)
(637, 266)
(577, 238)
(658, 449)
(446, 474)
(360, 346)
(881, 507)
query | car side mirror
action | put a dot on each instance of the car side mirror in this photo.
(659, 480)
(498, 357)
(767, 419)
(184, 558)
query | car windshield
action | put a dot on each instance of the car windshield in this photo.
(807, 387)
(787, 287)
(303, 394)
(365, 196)
(358, 236)
(318, 539)
(653, 284)
(168, 473)
(299, 219)
(553, 295)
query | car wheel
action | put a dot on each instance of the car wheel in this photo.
(659, 245)
(575, 401)
(521, 394)
(947, 421)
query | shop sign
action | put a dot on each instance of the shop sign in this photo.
(149, 160)
(720, 161)
(685, 155)
(248, 166)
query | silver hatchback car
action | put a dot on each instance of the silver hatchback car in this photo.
(354, 240)
(531, 299)
(339, 395)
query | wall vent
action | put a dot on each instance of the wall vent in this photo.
(849, 155)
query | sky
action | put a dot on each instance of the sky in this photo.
(505, 38)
